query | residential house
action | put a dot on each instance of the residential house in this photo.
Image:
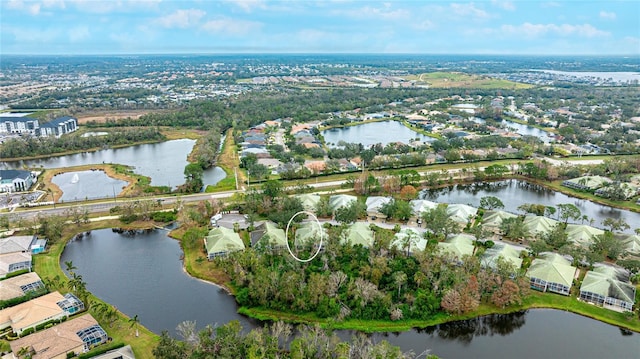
(552, 272)
(75, 336)
(20, 286)
(52, 306)
(221, 241)
(13, 262)
(609, 287)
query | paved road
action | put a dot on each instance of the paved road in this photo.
(169, 200)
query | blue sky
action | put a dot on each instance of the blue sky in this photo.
(330, 26)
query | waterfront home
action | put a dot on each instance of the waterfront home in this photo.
(267, 235)
(358, 233)
(506, 252)
(459, 245)
(581, 234)
(121, 353)
(552, 272)
(20, 286)
(52, 306)
(461, 213)
(341, 200)
(494, 219)
(221, 241)
(309, 234)
(586, 183)
(13, 262)
(16, 244)
(309, 201)
(630, 243)
(538, 225)
(75, 336)
(16, 180)
(609, 287)
(374, 204)
(421, 206)
(408, 241)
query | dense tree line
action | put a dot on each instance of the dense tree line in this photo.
(36, 146)
(273, 341)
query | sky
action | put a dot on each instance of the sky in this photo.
(535, 27)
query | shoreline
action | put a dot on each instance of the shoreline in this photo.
(48, 174)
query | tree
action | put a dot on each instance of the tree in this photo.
(557, 237)
(272, 188)
(607, 245)
(367, 156)
(569, 211)
(507, 294)
(549, 211)
(615, 224)
(536, 209)
(169, 348)
(491, 202)
(193, 178)
(514, 228)
(439, 222)
(351, 213)
(399, 278)
(134, 322)
(408, 192)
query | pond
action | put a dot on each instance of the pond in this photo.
(81, 185)
(163, 162)
(524, 130)
(371, 133)
(514, 193)
(152, 284)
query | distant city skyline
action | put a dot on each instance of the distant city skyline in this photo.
(82, 27)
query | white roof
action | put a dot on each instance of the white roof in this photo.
(422, 205)
(409, 239)
(15, 244)
(461, 212)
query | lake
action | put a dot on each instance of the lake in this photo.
(142, 275)
(163, 162)
(371, 133)
(524, 130)
(514, 193)
(81, 185)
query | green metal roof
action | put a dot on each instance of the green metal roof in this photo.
(309, 200)
(223, 239)
(459, 245)
(310, 233)
(271, 236)
(359, 233)
(552, 268)
(539, 224)
(604, 281)
(581, 234)
(508, 252)
(495, 218)
(409, 236)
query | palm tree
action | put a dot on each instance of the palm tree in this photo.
(69, 266)
(134, 323)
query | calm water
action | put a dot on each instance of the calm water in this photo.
(514, 193)
(151, 283)
(524, 130)
(87, 185)
(163, 162)
(372, 133)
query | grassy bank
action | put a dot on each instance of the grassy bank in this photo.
(533, 301)
(229, 161)
(47, 266)
(114, 171)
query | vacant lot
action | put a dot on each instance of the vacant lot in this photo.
(462, 80)
(101, 117)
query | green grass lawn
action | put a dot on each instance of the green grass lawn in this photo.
(462, 80)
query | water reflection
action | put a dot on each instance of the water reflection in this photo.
(514, 193)
(465, 330)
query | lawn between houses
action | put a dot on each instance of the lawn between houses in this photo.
(47, 265)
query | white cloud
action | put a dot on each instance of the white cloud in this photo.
(385, 12)
(232, 27)
(107, 6)
(607, 15)
(469, 10)
(423, 25)
(536, 30)
(32, 35)
(551, 4)
(78, 33)
(248, 5)
(181, 18)
(505, 5)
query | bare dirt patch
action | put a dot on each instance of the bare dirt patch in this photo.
(103, 117)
